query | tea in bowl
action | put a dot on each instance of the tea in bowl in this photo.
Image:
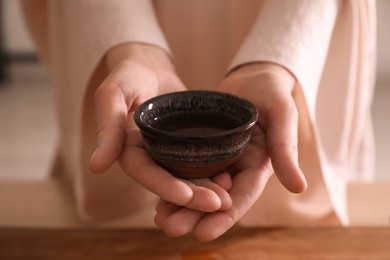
(196, 134)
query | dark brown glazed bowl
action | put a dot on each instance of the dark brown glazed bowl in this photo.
(196, 134)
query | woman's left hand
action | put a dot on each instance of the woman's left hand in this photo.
(272, 149)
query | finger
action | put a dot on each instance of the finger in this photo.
(282, 142)
(224, 180)
(248, 185)
(174, 220)
(208, 196)
(163, 211)
(111, 116)
(137, 164)
(151, 176)
(182, 222)
(178, 221)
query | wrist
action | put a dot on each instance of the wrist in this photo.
(146, 54)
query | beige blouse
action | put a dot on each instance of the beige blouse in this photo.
(328, 45)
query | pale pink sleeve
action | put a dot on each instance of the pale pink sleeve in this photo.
(115, 22)
(295, 34)
(87, 29)
(329, 46)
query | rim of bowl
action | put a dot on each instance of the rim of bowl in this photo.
(148, 129)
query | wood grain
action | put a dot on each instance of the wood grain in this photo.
(307, 243)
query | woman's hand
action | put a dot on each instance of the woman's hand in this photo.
(271, 87)
(247, 179)
(138, 72)
(274, 142)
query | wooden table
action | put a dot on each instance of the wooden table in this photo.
(46, 226)
(307, 243)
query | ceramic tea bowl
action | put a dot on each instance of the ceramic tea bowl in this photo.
(196, 134)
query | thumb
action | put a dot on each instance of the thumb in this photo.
(111, 118)
(282, 142)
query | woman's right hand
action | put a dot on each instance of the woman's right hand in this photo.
(138, 72)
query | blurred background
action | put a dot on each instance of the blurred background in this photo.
(28, 133)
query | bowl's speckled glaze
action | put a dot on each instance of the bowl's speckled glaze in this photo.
(196, 134)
